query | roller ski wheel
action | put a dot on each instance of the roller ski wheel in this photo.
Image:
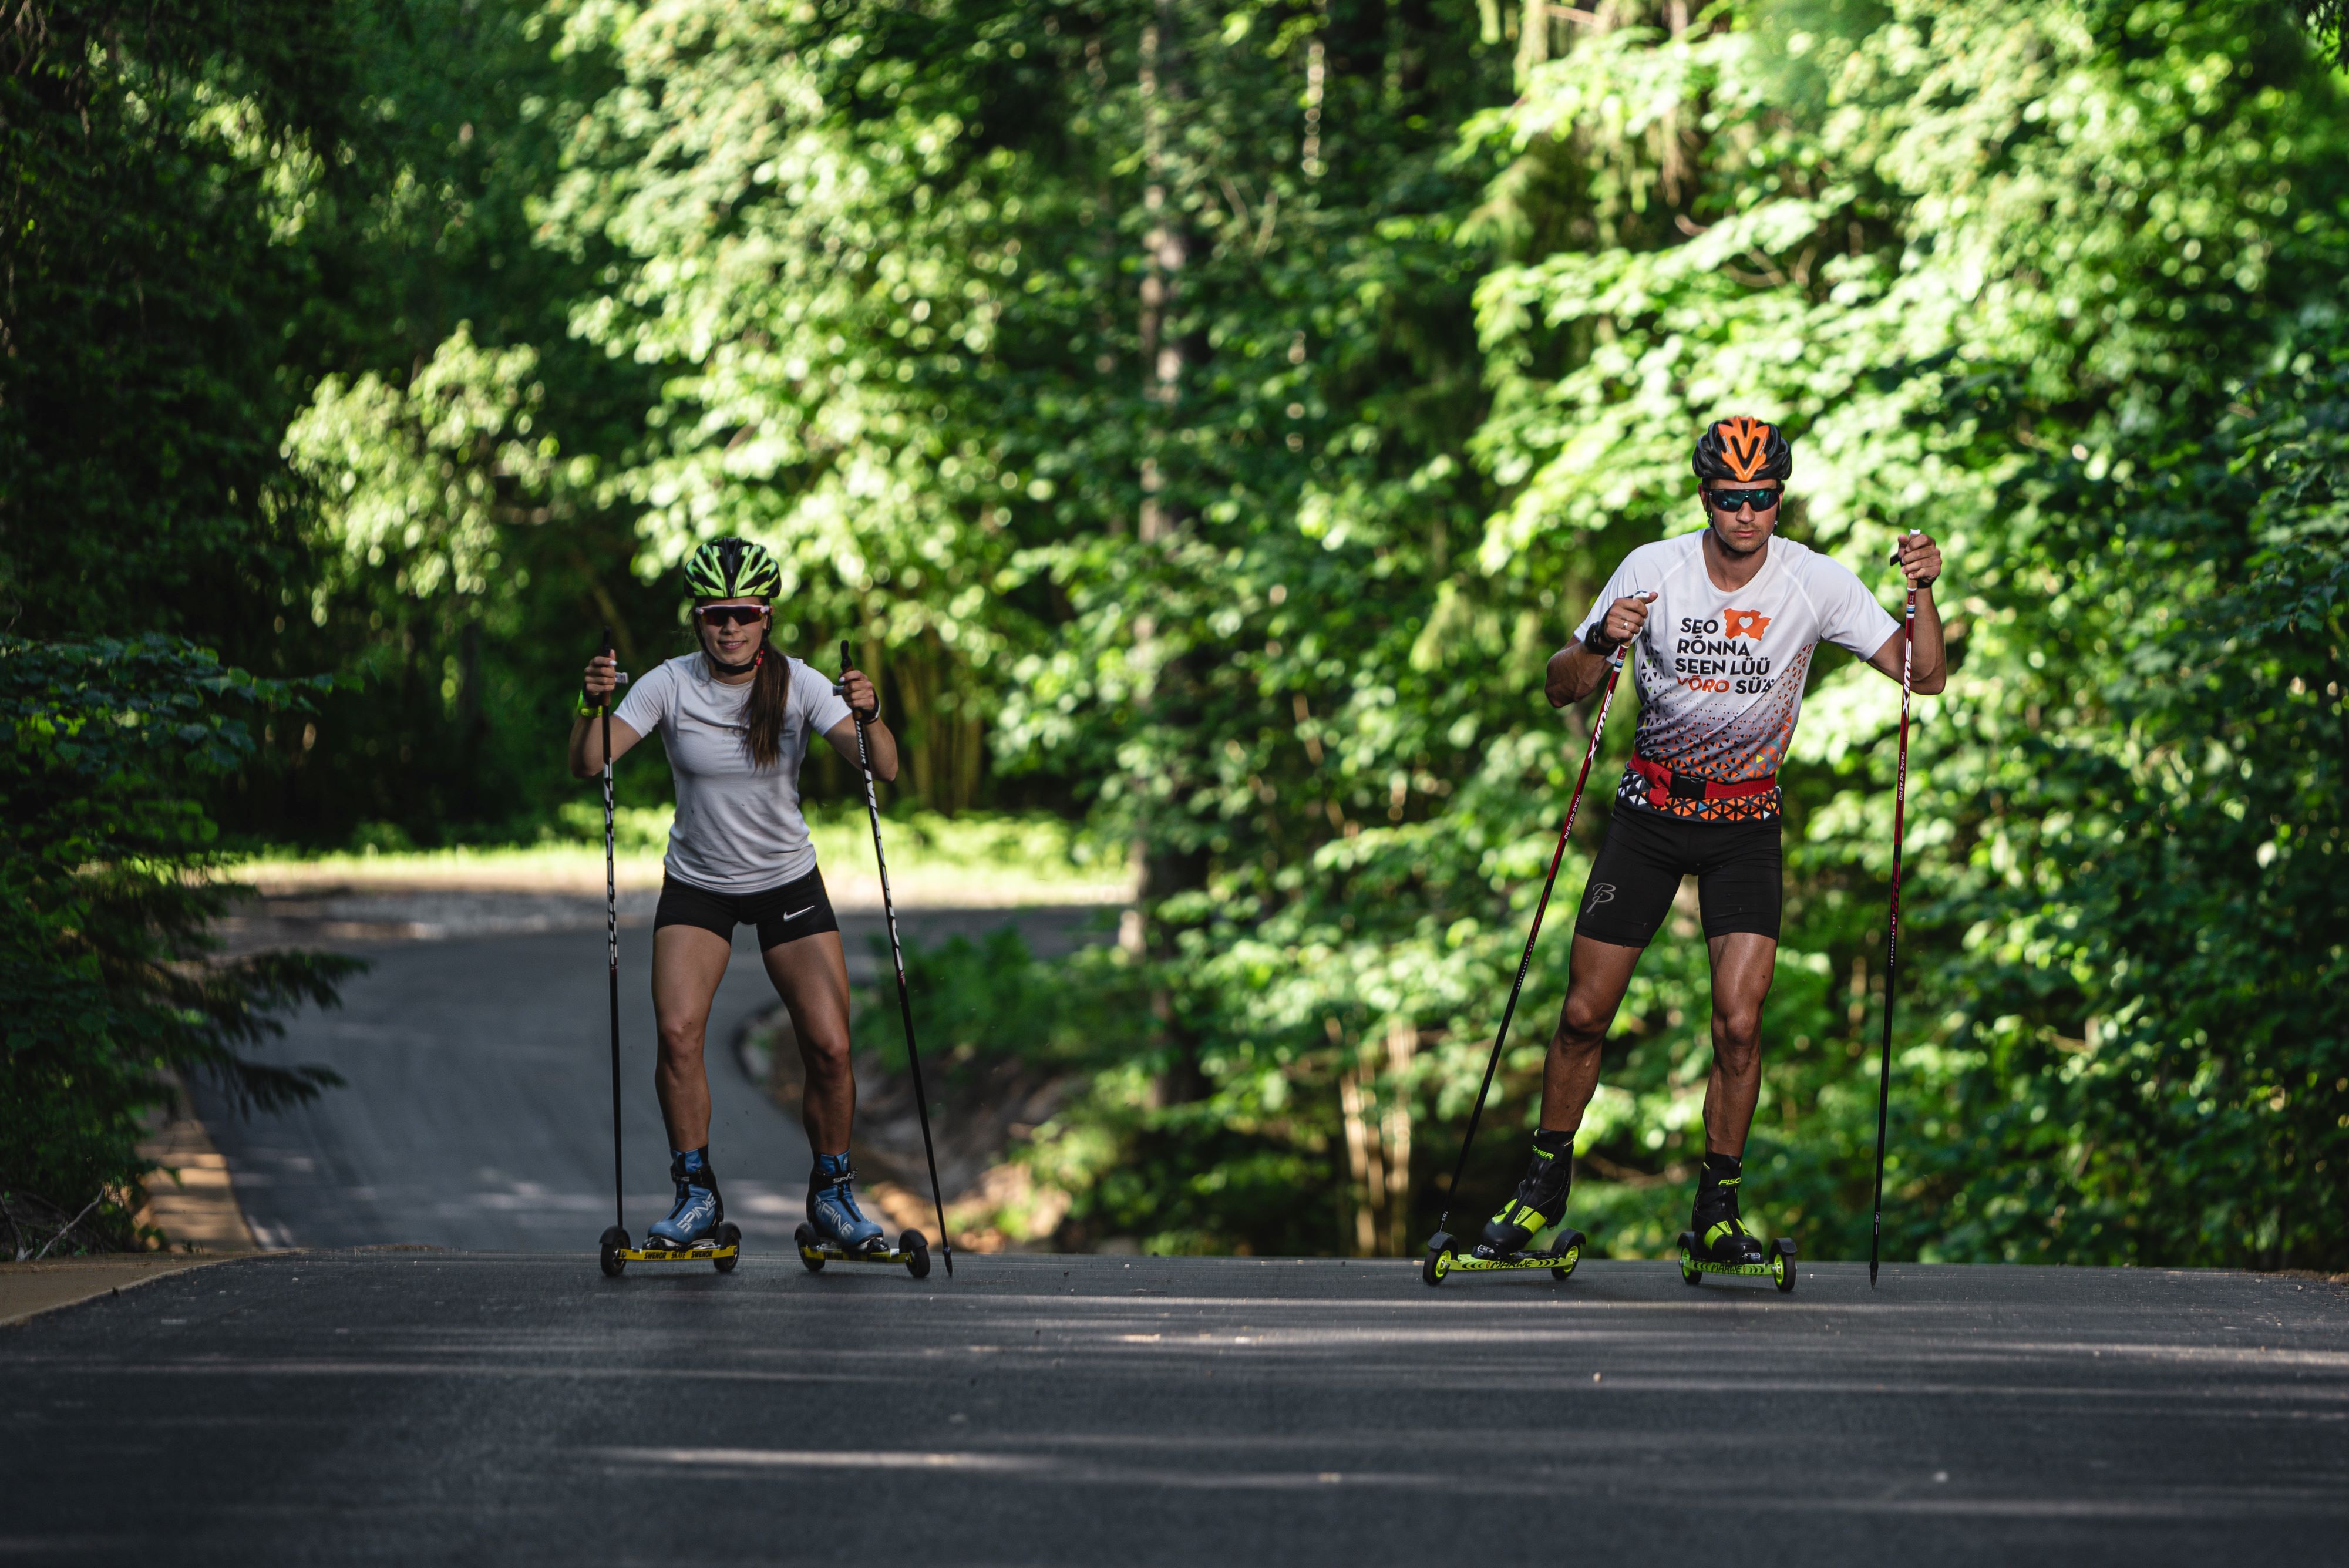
(1561, 1256)
(914, 1248)
(811, 1255)
(1776, 1264)
(612, 1251)
(729, 1248)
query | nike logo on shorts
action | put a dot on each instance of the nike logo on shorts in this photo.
(796, 914)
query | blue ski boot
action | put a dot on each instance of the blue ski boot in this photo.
(699, 1208)
(831, 1208)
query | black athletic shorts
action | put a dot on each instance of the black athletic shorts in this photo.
(784, 914)
(1639, 866)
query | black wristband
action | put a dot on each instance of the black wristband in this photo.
(1597, 641)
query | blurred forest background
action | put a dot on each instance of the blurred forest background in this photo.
(1206, 419)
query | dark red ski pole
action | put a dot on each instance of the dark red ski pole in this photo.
(1526, 963)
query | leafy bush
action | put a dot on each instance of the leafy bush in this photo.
(109, 979)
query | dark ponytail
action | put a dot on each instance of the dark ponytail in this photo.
(770, 702)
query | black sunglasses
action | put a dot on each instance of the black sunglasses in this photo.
(1731, 500)
(731, 615)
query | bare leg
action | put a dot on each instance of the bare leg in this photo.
(1743, 964)
(1602, 974)
(687, 964)
(812, 976)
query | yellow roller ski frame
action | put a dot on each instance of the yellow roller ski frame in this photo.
(1444, 1259)
(1779, 1269)
(913, 1250)
(720, 1249)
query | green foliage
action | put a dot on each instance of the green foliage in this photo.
(107, 967)
(1245, 403)
(148, 149)
(989, 1000)
(2154, 1054)
(2004, 271)
(1210, 419)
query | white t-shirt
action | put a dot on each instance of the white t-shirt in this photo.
(1721, 674)
(739, 828)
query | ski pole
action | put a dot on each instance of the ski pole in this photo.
(1892, 926)
(612, 941)
(897, 954)
(1526, 963)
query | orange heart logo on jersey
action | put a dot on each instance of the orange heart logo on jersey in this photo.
(1744, 623)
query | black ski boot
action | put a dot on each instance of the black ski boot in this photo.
(1537, 1208)
(1720, 1237)
(1718, 1242)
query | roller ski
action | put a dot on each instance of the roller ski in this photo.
(1718, 1242)
(1529, 1231)
(695, 1231)
(838, 1232)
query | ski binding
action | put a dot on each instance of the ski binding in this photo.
(1560, 1257)
(1779, 1269)
(913, 1250)
(720, 1249)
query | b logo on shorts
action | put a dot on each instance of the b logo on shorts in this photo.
(1600, 893)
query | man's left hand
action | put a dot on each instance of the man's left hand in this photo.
(1919, 559)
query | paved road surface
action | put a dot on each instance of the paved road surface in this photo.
(477, 1113)
(424, 1407)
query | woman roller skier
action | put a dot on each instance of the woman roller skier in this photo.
(736, 718)
(1725, 643)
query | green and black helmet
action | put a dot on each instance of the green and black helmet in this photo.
(732, 568)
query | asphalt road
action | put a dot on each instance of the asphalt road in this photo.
(426, 1407)
(477, 1112)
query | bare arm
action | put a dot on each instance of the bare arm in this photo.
(587, 748)
(858, 693)
(1575, 673)
(1921, 563)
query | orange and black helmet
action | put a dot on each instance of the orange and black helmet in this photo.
(1743, 450)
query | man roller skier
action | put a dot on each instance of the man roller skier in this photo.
(1725, 620)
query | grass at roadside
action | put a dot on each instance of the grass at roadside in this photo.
(977, 859)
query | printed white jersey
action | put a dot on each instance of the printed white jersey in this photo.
(1721, 673)
(738, 827)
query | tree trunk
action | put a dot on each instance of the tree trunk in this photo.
(1168, 352)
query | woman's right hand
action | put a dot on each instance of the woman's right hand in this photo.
(601, 680)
